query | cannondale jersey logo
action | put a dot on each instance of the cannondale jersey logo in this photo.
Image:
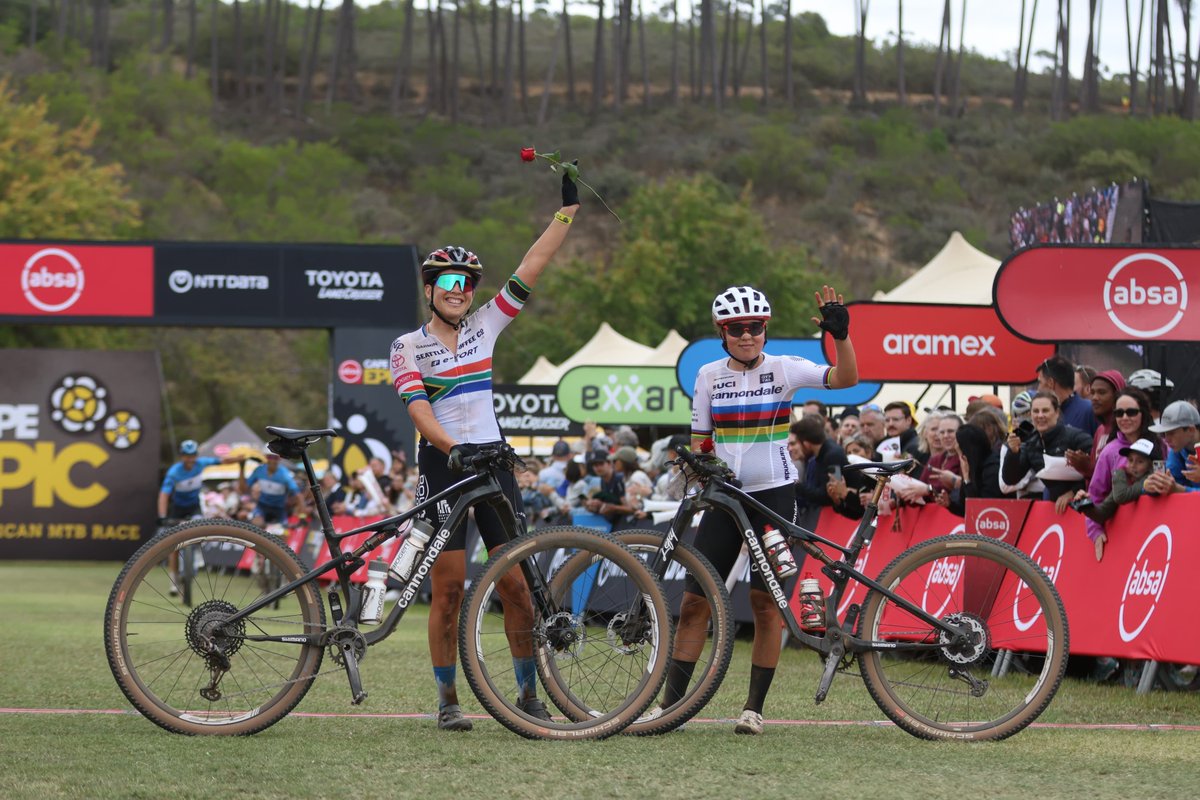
(1145, 583)
(1047, 554)
(1145, 295)
(52, 280)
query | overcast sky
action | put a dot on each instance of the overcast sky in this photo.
(993, 26)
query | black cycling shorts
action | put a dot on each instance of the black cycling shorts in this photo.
(434, 475)
(271, 515)
(720, 541)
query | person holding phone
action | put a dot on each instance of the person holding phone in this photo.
(823, 460)
(1131, 415)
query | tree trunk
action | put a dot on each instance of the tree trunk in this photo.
(789, 83)
(740, 74)
(721, 78)
(955, 108)
(400, 79)
(735, 41)
(454, 54)
(1018, 99)
(1175, 99)
(544, 106)
(309, 64)
(335, 63)
(641, 26)
(939, 69)
(168, 28)
(1189, 75)
(618, 42)
(190, 70)
(901, 93)
(1062, 63)
(267, 74)
(859, 92)
(214, 63)
(443, 63)
(598, 60)
(673, 92)
(100, 35)
(1089, 88)
(281, 67)
(693, 75)
(569, 55)
(494, 34)
(509, 67)
(64, 8)
(762, 50)
(522, 73)
(239, 60)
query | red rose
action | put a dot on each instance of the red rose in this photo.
(527, 154)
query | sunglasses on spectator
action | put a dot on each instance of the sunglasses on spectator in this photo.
(737, 329)
(450, 282)
(1126, 412)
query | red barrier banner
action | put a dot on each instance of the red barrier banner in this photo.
(386, 551)
(1112, 293)
(923, 342)
(1136, 602)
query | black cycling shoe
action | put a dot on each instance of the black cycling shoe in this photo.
(534, 708)
(450, 718)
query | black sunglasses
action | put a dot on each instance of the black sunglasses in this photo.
(1126, 412)
(737, 329)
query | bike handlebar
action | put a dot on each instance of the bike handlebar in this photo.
(496, 456)
(707, 466)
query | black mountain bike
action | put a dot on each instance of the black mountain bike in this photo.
(942, 649)
(241, 656)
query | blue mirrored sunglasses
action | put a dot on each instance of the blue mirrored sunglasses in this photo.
(450, 282)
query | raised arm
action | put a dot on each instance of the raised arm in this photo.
(547, 245)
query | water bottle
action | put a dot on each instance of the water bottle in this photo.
(373, 592)
(410, 551)
(812, 604)
(779, 554)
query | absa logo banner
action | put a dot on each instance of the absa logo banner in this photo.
(70, 280)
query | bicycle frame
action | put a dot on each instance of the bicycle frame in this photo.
(718, 494)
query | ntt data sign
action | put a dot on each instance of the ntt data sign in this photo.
(924, 342)
(1100, 293)
(624, 396)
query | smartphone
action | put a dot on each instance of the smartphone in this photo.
(1158, 465)
(835, 472)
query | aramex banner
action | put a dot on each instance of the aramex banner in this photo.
(924, 342)
(1099, 293)
(79, 443)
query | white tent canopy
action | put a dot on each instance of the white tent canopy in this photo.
(958, 274)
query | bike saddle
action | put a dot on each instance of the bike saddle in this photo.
(880, 467)
(290, 442)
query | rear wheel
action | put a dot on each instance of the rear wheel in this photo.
(181, 664)
(600, 645)
(1000, 674)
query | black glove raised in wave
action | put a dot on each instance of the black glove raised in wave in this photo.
(835, 318)
(459, 453)
(570, 191)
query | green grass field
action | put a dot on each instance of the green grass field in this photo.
(53, 657)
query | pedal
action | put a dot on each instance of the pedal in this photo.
(831, 664)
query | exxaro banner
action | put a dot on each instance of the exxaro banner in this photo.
(79, 444)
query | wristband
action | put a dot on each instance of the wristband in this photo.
(563, 218)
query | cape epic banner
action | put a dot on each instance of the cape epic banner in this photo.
(79, 443)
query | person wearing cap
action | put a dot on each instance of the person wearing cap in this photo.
(554, 474)
(1057, 376)
(665, 488)
(1131, 416)
(1105, 388)
(609, 500)
(1179, 427)
(276, 488)
(1128, 484)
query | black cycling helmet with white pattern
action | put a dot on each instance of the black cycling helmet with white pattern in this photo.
(448, 258)
(740, 302)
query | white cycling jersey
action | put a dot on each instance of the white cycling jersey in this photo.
(747, 415)
(458, 385)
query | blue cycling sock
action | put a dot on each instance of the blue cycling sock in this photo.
(526, 672)
(447, 693)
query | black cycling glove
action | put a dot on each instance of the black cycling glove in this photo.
(459, 453)
(835, 318)
(570, 191)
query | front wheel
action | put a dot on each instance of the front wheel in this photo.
(601, 641)
(1003, 668)
(180, 663)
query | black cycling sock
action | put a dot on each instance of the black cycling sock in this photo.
(760, 682)
(679, 674)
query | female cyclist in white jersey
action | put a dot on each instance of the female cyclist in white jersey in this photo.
(443, 373)
(744, 403)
